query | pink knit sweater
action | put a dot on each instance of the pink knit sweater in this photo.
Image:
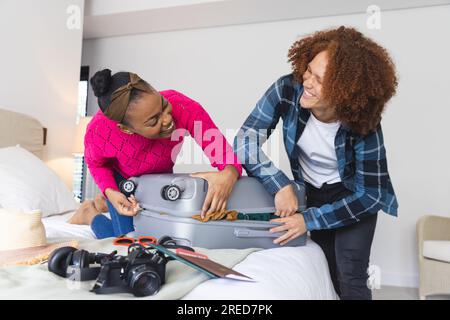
(108, 149)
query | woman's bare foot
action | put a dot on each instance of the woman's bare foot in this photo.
(85, 213)
(100, 203)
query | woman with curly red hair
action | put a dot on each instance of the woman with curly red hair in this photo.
(331, 106)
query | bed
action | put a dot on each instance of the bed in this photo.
(281, 273)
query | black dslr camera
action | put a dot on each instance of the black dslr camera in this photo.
(141, 273)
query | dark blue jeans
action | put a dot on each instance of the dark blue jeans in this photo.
(347, 249)
(117, 226)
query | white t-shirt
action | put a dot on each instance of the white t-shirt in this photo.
(317, 158)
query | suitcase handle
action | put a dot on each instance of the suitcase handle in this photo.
(252, 233)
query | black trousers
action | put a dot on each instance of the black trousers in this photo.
(347, 249)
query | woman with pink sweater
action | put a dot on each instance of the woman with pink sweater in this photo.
(139, 130)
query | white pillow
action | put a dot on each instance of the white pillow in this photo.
(26, 183)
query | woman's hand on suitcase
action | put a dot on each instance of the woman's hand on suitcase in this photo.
(220, 185)
(294, 226)
(286, 202)
(124, 206)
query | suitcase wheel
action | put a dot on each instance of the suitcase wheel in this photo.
(165, 240)
(171, 192)
(127, 187)
(170, 243)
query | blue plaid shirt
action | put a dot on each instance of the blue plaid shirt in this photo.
(361, 159)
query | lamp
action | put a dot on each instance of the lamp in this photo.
(78, 146)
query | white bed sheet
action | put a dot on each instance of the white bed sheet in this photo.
(56, 226)
(282, 273)
(287, 273)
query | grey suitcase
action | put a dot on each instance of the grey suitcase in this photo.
(170, 200)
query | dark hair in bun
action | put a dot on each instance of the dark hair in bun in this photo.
(104, 84)
(101, 81)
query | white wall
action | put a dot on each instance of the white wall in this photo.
(227, 69)
(103, 7)
(40, 63)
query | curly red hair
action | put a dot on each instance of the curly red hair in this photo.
(360, 76)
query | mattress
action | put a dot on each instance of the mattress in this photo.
(283, 273)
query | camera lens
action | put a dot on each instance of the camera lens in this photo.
(144, 281)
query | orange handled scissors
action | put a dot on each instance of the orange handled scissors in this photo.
(126, 242)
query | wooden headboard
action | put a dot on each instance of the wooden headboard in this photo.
(17, 128)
